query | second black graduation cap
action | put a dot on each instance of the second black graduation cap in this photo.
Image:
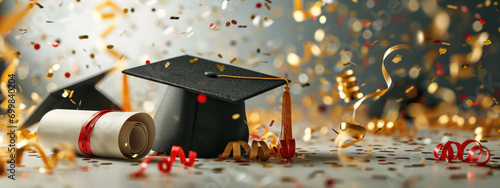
(201, 126)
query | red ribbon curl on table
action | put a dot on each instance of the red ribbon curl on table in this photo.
(166, 164)
(86, 132)
(448, 153)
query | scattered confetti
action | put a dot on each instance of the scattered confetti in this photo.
(221, 67)
(83, 37)
(202, 98)
(67, 74)
(232, 60)
(482, 21)
(37, 46)
(213, 26)
(487, 42)
(167, 64)
(451, 6)
(174, 18)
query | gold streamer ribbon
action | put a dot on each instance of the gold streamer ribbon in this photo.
(387, 79)
(62, 151)
(259, 149)
(255, 129)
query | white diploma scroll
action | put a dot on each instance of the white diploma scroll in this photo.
(126, 135)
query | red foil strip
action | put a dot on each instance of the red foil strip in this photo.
(165, 165)
(448, 153)
(86, 132)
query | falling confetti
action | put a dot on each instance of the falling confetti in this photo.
(167, 64)
(148, 62)
(202, 98)
(409, 89)
(487, 42)
(83, 37)
(482, 21)
(213, 26)
(397, 59)
(442, 50)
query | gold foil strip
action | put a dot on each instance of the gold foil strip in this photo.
(256, 129)
(62, 151)
(259, 149)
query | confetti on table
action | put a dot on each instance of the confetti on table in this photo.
(167, 64)
(213, 25)
(83, 37)
(174, 18)
(221, 67)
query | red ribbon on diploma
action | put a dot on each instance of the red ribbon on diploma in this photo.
(448, 153)
(166, 164)
(86, 132)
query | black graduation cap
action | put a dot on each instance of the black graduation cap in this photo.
(83, 91)
(202, 126)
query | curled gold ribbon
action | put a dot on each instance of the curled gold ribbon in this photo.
(62, 151)
(255, 129)
(387, 79)
(350, 130)
(259, 149)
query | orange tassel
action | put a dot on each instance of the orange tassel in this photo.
(125, 95)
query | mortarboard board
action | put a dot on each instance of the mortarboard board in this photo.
(203, 126)
(84, 91)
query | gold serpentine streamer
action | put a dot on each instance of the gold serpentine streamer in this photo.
(262, 151)
(62, 151)
(387, 79)
(7, 53)
(255, 129)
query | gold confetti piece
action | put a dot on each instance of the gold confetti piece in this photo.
(109, 46)
(232, 60)
(123, 33)
(459, 88)
(451, 6)
(487, 42)
(236, 116)
(242, 26)
(349, 63)
(445, 43)
(83, 37)
(442, 50)
(106, 163)
(397, 59)
(267, 6)
(363, 84)
(39, 5)
(228, 24)
(220, 55)
(190, 34)
(376, 42)
(174, 17)
(221, 67)
(72, 101)
(469, 102)
(269, 1)
(193, 60)
(399, 100)
(494, 99)
(17, 3)
(167, 64)
(266, 19)
(409, 89)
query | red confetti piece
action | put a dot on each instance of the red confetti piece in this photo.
(213, 26)
(234, 22)
(440, 72)
(37, 46)
(493, 7)
(67, 74)
(272, 122)
(165, 165)
(482, 21)
(467, 36)
(475, 103)
(438, 65)
(405, 21)
(55, 44)
(315, 18)
(148, 62)
(463, 96)
(366, 23)
(447, 152)
(202, 99)
(258, 5)
(437, 41)
(0, 17)
(366, 62)
(340, 20)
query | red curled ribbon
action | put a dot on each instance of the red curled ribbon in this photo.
(86, 132)
(447, 152)
(287, 149)
(166, 164)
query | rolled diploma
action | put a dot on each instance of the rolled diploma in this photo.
(126, 135)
